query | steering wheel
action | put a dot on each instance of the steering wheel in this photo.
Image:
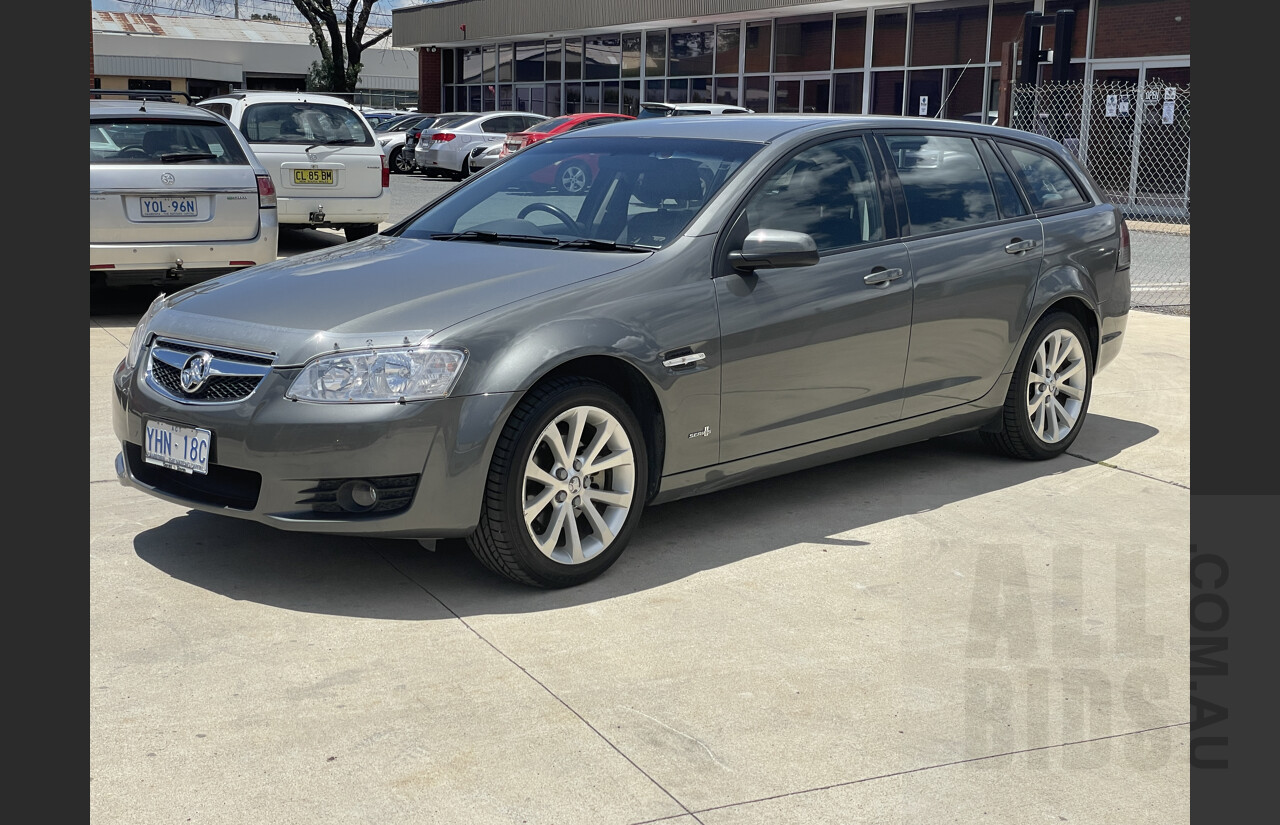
(554, 211)
(132, 152)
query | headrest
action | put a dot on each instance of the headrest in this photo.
(670, 179)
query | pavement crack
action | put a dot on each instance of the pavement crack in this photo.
(1111, 466)
(699, 742)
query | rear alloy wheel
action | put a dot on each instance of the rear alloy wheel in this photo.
(1049, 394)
(566, 486)
(400, 161)
(573, 177)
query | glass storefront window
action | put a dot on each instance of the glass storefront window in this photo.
(448, 66)
(802, 44)
(530, 59)
(655, 91)
(851, 40)
(490, 62)
(699, 90)
(591, 97)
(886, 93)
(471, 65)
(631, 54)
(573, 58)
(553, 100)
(504, 63)
(572, 98)
(630, 97)
(1006, 25)
(609, 100)
(727, 44)
(727, 91)
(889, 35)
(924, 92)
(603, 56)
(691, 52)
(655, 51)
(847, 94)
(678, 91)
(555, 59)
(946, 34)
(759, 48)
(755, 93)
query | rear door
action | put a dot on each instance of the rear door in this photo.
(314, 149)
(169, 181)
(976, 252)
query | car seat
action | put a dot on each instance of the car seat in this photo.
(674, 188)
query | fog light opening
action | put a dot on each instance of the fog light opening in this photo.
(357, 496)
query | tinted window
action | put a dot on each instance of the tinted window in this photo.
(1046, 182)
(161, 141)
(944, 181)
(1011, 205)
(223, 109)
(826, 191)
(304, 124)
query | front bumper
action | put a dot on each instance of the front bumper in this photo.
(273, 459)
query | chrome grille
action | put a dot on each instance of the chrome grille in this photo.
(233, 374)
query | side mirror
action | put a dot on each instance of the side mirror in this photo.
(774, 248)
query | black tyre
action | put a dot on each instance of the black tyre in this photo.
(1049, 394)
(355, 232)
(566, 487)
(400, 161)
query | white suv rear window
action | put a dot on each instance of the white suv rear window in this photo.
(304, 123)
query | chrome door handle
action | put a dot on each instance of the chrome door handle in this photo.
(1020, 246)
(880, 277)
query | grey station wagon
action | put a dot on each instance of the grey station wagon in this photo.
(730, 299)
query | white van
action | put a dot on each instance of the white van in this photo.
(328, 168)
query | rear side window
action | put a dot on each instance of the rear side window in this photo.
(131, 141)
(304, 124)
(1046, 182)
(1011, 205)
(223, 109)
(944, 181)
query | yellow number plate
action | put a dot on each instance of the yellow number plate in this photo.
(308, 176)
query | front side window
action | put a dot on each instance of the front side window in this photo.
(944, 181)
(304, 124)
(827, 191)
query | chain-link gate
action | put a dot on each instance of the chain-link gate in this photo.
(1136, 140)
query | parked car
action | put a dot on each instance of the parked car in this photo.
(532, 371)
(558, 126)
(377, 119)
(446, 149)
(328, 169)
(401, 123)
(176, 195)
(392, 141)
(676, 109)
(482, 156)
(415, 132)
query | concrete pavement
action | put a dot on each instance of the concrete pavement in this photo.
(932, 634)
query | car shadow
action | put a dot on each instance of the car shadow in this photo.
(400, 580)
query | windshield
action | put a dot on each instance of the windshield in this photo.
(615, 192)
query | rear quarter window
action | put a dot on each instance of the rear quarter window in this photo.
(1045, 181)
(944, 181)
(304, 124)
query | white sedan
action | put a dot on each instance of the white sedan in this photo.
(445, 152)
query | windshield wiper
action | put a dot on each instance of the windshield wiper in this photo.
(607, 246)
(183, 157)
(493, 237)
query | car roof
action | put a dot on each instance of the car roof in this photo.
(282, 97)
(149, 108)
(765, 128)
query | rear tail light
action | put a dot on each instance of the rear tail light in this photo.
(386, 174)
(1122, 258)
(266, 192)
(443, 136)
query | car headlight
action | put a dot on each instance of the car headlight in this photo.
(379, 376)
(140, 332)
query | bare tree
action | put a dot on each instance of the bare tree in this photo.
(337, 29)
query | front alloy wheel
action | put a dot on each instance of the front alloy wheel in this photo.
(566, 486)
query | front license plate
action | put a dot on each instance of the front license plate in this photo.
(180, 206)
(306, 177)
(178, 448)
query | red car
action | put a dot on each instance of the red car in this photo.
(569, 177)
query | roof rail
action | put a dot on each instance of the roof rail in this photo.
(140, 94)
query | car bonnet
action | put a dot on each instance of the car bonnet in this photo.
(382, 291)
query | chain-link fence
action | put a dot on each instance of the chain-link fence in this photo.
(1136, 140)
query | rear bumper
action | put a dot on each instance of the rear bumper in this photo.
(337, 211)
(155, 263)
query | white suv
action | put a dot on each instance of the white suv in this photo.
(328, 169)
